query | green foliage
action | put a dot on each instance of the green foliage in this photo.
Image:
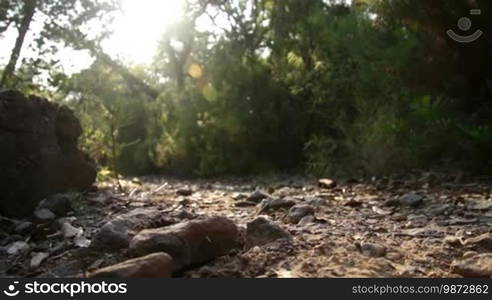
(53, 25)
(320, 85)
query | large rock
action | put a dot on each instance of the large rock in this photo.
(38, 153)
(156, 265)
(189, 243)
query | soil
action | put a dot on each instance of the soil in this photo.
(402, 226)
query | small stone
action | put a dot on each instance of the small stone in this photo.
(398, 217)
(285, 191)
(297, 212)
(276, 203)
(438, 210)
(262, 231)
(483, 241)
(307, 220)
(59, 204)
(417, 218)
(257, 196)
(156, 265)
(475, 266)
(469, 254)
(392, 202)
(409, 271)
(38, 258)
(118, 232)
(315, 201)
(238, 196)
(352, 203)
(18, 248)
(394, 256)
(44, 215)
(70, 231)
(82, 242)
(458, 221)
(326, 183)
(245, 204)
(453, 241)
(184, 192)
(24, 227)
(411, 200)
(112, 236)
(371, 250)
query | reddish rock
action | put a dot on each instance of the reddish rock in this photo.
(189, 243)
(156, 265)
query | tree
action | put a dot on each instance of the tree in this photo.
(28, 10)
(61, 23)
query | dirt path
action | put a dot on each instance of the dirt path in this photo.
(390, 227)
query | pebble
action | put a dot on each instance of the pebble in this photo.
(44, 214)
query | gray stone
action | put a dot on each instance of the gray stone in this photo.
(69, 231)
(38, 258)
(411, 200)
(315, 201)
(438, 210)
(257, 196)
(307, 220)
(185, 192)
(262, 231)
(44, 215)
(297, 212)
(59, 204)
(277, 203)
(371, 250)
(117, 233)
(24, 227)
(18, 248)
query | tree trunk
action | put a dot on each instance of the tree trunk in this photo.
(28, 14)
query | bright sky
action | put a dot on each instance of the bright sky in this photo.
(140, 27)
(137, 31)
(136, 34)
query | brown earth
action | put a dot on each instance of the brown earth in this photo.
(420, 225)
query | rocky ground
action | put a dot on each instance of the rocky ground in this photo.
(420, 225)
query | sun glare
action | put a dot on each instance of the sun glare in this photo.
(140, 26)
